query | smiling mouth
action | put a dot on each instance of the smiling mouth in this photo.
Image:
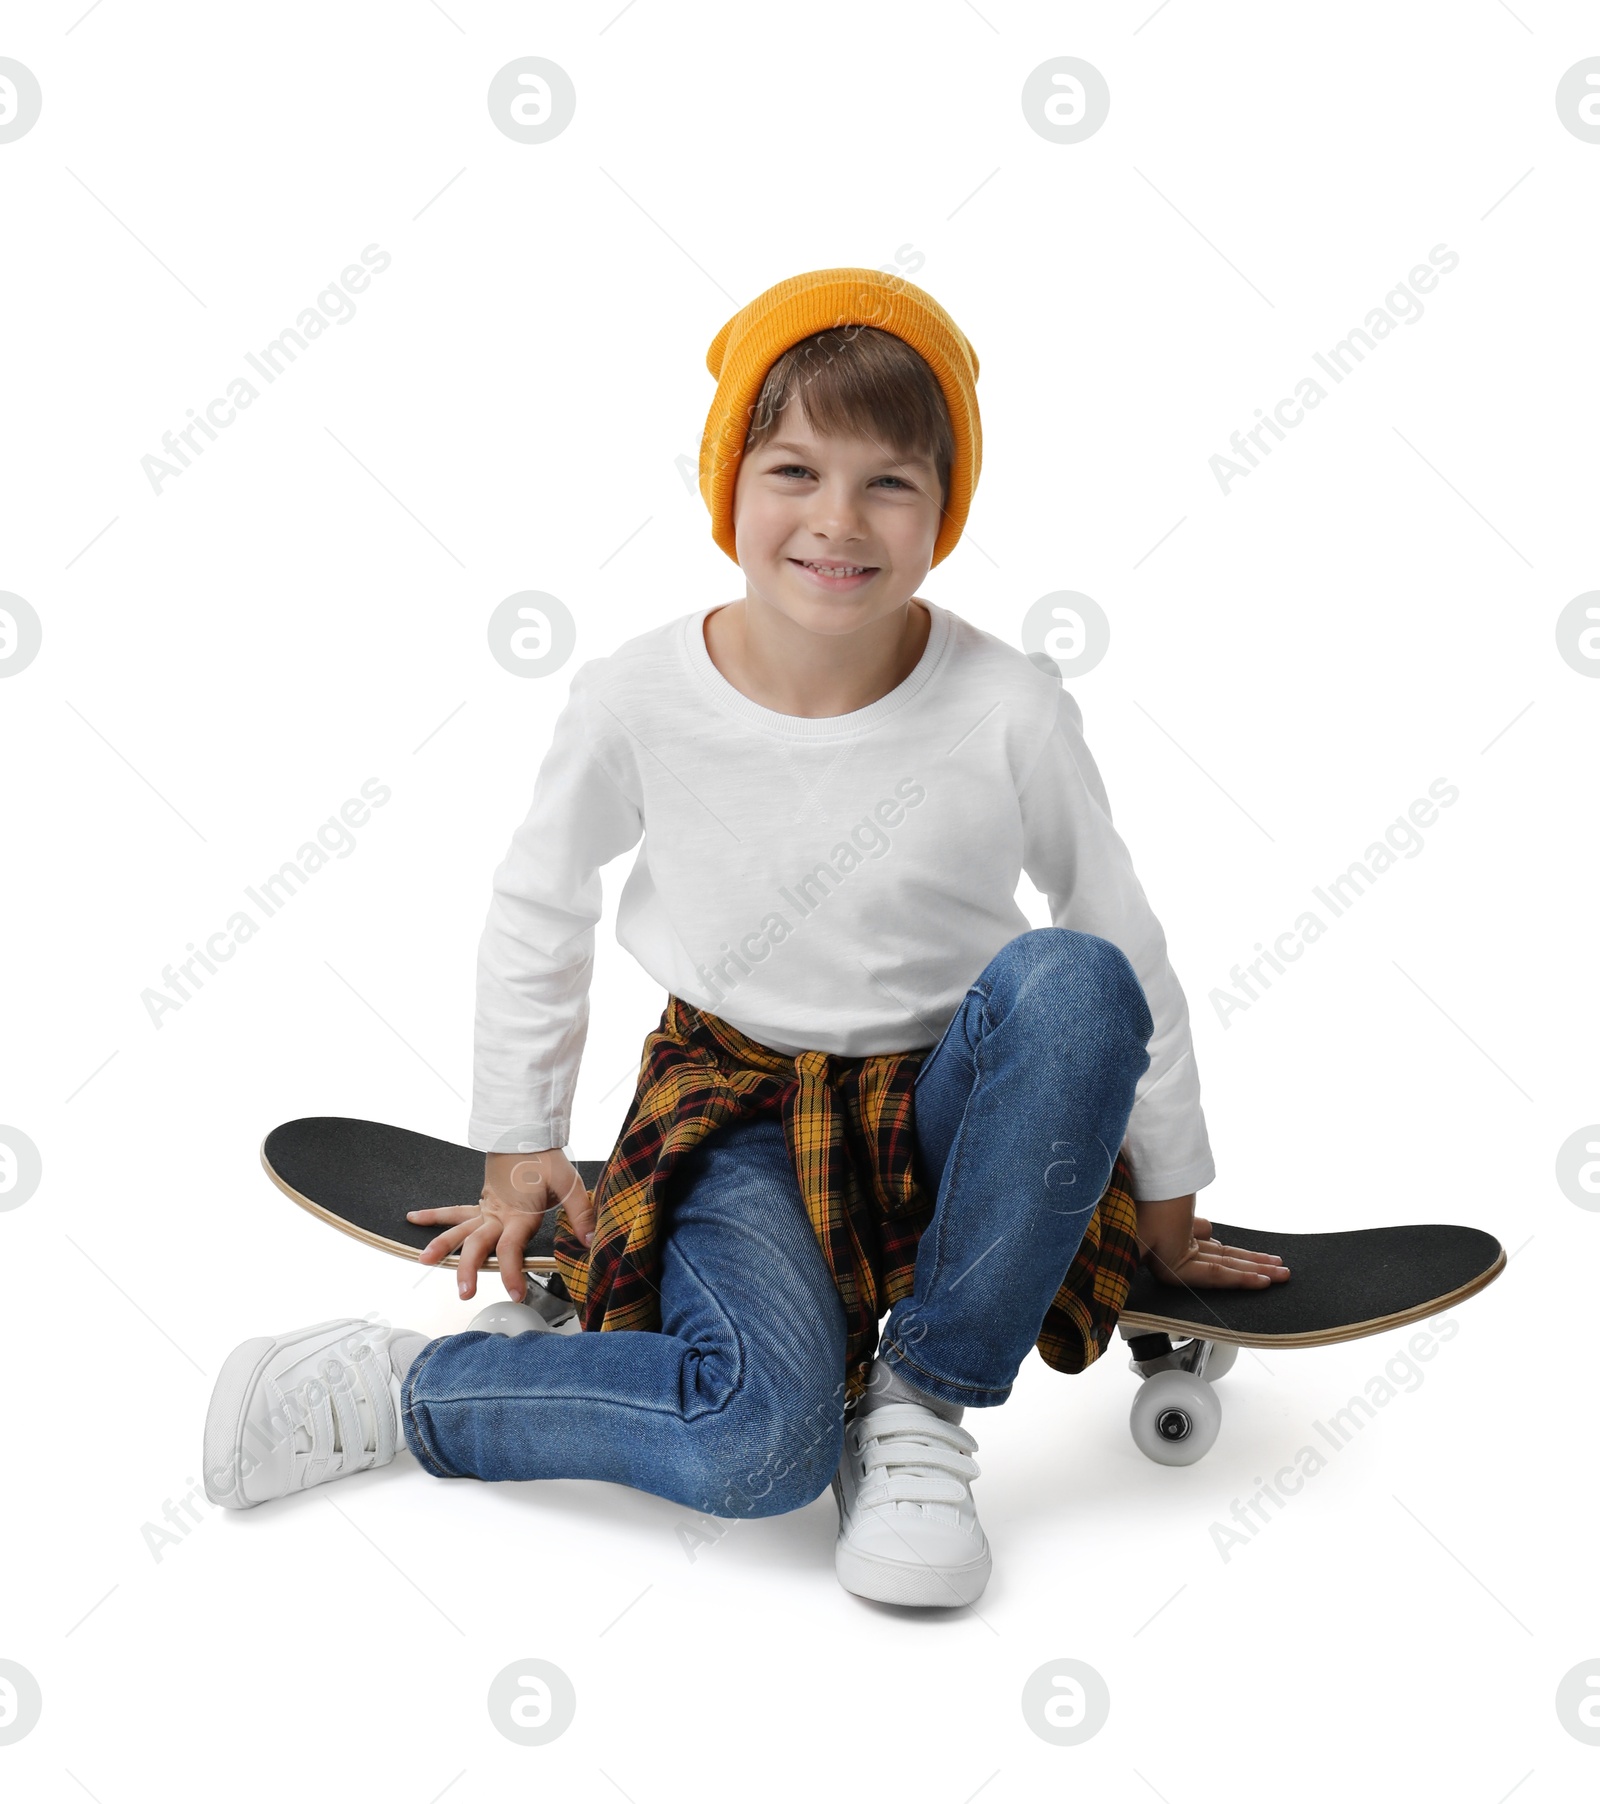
(833, 569)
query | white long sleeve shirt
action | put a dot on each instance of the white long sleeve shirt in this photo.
(832, 884)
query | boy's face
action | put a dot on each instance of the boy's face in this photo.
(803, 501)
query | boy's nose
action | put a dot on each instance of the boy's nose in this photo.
(836, 532)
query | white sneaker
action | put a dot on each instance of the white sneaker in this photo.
(294, 1410)
(908, 1528)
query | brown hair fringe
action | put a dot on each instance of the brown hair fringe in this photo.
(863, 382)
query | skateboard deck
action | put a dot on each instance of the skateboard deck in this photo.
(1341, 1286)
(362, 1176)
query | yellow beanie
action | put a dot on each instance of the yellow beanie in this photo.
(758, 334)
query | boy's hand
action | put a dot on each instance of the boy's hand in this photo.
(1178, 1248)
(518, 1189)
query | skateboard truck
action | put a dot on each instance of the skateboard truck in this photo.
(1155, 1353)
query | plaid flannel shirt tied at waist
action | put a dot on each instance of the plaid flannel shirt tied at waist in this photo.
(848, 1125)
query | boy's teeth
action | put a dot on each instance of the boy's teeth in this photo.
(836, 569)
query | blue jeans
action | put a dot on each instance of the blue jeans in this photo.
(736, 1407)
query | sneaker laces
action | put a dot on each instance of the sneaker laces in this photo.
(909, 1454)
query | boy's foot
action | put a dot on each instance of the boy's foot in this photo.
(908, 1528)
(293, 1410)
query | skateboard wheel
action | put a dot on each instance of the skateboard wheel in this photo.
(1175, 1418)
(507, 1317)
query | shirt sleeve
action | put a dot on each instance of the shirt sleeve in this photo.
(1078, 861)
(536, 956)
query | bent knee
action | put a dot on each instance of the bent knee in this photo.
(1093, 970)
(759, 1460)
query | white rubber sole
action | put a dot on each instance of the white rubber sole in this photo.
(907, 1581)
(225, 1419)
(897, 1582)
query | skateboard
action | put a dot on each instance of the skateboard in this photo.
(1341, 1286)
(362, 1176)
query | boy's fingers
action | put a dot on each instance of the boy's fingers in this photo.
(446, 1243)
(1211, 1266)
(1238, 1256)
(1238, 1272)
(1213, 1248)
(508, 1251)
(477, 1247)
(579, 1205)
(1242, 1258)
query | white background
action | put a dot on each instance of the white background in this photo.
(514, 406)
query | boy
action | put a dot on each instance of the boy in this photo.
(873, 1087)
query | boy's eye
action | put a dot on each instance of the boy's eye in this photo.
(800, 469)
